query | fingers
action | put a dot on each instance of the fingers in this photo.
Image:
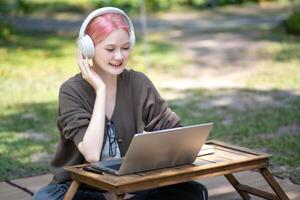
(87, 65)
(79, 58)
(83, 64)
(88, 73)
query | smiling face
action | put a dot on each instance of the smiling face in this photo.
(112, 53)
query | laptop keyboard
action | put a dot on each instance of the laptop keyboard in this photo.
(115, 166)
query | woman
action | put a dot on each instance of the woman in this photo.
(101, 108)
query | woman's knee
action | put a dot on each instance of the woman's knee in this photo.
(51, 192)
(189, 191)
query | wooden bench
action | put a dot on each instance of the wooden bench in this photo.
(226, 160)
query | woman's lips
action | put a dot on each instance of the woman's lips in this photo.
(116, 65)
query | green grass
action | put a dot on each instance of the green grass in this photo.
(280, 69)
(49, 7)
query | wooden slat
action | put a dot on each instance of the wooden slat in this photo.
(234, 147)
(238, 167)
(235, 151)
(273, 183)
(93, 182)
(257, 192)
(229, 155)
(251, 164)
(214, 158)
(72, 190)
(150, 182)
(106, 178)
(234, 182)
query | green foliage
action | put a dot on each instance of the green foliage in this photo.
(292, 23)
(5, 6)
(134, 5)
(7, 32)
(25, 7)
(31, 6)
(157, 5)
(128, 5)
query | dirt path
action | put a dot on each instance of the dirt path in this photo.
(220, 46)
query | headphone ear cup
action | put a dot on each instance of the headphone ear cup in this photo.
(86, 46)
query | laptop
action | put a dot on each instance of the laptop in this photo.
(158, 149)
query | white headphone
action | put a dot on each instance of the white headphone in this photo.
(85, 42)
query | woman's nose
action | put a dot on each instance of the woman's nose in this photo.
(118, 55)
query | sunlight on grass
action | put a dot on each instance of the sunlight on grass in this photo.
(276, 75)
(281, 68)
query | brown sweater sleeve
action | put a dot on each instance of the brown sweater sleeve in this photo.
(74, 115)
(156, 113)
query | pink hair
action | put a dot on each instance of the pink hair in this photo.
(101, 26)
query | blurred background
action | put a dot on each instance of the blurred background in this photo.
(232, 62)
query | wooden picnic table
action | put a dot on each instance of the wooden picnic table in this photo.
(226, 160)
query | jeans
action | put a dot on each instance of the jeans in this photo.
(182, 191)
(58, 191)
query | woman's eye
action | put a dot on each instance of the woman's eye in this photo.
(125, 48)
(109, 49)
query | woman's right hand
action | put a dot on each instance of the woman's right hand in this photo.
(89, 74)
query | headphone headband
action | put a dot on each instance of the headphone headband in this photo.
(102, 11)
(85, 42)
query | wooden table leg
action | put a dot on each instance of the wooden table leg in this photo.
(235, 183)
(118, 196)
(72, 190)
(273, 183)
